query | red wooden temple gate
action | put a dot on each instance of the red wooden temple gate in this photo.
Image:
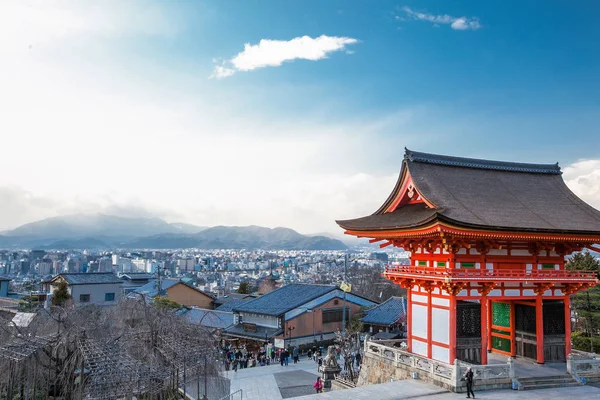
(488, 242)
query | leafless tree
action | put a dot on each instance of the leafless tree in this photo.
(92, 352)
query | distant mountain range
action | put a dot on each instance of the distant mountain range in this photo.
(97, 231)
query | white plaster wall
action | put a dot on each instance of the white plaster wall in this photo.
(520, 253)
(511, 284)
(440, 302)
(261, 320)
(97, 293)
(495, 292)
(462, 251)
(497, 252)
(489, 265)
(419, 347)
(512, 292)
(440, 323)
(419, 298)
(419, 321)
(528, 292)
(440, 353)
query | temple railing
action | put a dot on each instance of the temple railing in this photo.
(436, 369)
(491, 275)
(583, 368)
(449, 375)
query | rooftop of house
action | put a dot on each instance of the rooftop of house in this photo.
(97, 278)
(136, 276)
(151, 288)
(482, 194)
(387, 313)
(210, 318)
(284, 299)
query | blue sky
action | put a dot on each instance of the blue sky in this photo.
(124, 97)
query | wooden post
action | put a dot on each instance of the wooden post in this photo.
(539, 326)
(429, 321)
(489, 321)
(484, 329)
(409, 318)
(567, 303)
(452, 330)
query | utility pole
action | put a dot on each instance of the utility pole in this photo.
(344, 309)
(158, 280)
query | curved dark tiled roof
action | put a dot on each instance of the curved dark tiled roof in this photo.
(404, 217)
(486, 195)
(428, 158)
(387, 313)
(284, 299)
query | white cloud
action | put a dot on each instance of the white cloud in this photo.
(457, 23)
(273, 53)
(583, 178)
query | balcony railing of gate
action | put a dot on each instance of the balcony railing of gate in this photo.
(464, 274)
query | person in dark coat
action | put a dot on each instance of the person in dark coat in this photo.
(469, 379)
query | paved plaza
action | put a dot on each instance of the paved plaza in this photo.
(277, 382)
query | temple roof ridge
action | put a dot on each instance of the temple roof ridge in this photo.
(438, 159)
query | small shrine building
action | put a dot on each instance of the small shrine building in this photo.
(488, 241)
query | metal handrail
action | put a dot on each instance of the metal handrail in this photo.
(240, 391)
(491, 274)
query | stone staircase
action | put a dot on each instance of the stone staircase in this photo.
(547, 382)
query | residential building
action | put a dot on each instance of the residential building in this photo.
(295, 314)
(386, 320)
(96, 288)
(4, 282)
(178, 291)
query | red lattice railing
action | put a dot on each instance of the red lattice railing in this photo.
(472, 274)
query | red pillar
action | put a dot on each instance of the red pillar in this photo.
(489, 326)
(567, 302)
(409, 318)
(429, 321)
(484, 329)
(452, 330)
(539, 327)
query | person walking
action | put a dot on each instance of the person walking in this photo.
(357, 359)
(235, 364)
(286, 357)
(281, 353)
(469, 379)
(318, 385)
(296, 354)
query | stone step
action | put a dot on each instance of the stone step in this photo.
(547, 382)
(548, 386)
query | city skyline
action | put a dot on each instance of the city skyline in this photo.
(278, 114)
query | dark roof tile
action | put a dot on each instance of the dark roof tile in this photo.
(284, 299)
(387, 313)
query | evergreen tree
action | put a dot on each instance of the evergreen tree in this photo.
(61, 294)
(244, 288)
(586, 304)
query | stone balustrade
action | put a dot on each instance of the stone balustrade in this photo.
(586, 368)
(384, 357)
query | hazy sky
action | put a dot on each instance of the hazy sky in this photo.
(282, 113)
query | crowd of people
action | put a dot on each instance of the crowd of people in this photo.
(240, 357)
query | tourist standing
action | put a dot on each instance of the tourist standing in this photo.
(358, 358)
(469, 379)
(286, 356)
(296, 355)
